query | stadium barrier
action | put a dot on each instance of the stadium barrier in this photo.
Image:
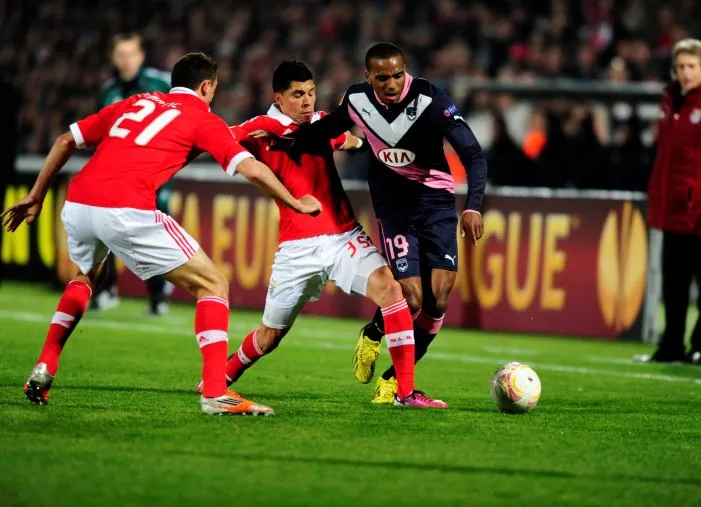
(564, 262)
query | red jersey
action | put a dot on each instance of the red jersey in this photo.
(142, 142)
(315, 175)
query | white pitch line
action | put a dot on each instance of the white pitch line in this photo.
(610, 360)
(510, 351)
(161, 328)
(560, 368)
(442, 356)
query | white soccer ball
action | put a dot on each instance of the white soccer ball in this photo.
(515, 388)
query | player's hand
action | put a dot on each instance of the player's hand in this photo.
(27, 209)
(257, 134)
(309, 205)
(472, 226)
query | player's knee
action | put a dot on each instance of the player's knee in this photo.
(440, 305)
(388, 290)
(413, 300)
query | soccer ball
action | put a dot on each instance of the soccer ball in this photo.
(515, 388)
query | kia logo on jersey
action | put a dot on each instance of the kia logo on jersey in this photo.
(396, 157)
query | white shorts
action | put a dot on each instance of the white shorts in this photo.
(149, 243)
(302, 268)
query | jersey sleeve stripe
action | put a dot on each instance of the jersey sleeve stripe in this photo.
(231, 168)
(77, 135)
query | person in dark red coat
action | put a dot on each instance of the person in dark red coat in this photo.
(674, 200)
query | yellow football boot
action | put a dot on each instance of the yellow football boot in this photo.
(365, 357)
(385, 390)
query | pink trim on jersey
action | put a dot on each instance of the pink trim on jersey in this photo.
(407, 85)
(383, 238)
(173, 230)
(431, 178)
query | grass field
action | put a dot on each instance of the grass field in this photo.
(123, 427)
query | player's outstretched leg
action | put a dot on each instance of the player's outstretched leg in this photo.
(70, 309)
(386, 292)
(425, 330)
(367, 349)
(428, 321)
(200, 277)
(259, 342)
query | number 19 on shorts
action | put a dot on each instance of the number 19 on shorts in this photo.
(396, 247)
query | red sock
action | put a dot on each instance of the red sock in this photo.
(399, 333)
(70, 309)
(212, 332)
(246, 356)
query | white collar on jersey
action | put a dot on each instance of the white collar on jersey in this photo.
(187, 91)
(274, 112)
(182, 89)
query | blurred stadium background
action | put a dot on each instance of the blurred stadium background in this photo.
(55, 52)
(563, 96)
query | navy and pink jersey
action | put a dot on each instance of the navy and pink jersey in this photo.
(409, 168)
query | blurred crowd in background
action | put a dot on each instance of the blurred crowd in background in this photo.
(55, 53)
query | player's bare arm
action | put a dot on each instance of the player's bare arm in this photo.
(261, 176)
(29, 207)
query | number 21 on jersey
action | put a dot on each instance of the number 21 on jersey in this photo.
(151, 129)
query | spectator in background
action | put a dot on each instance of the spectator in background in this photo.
(552, 158)
(585, 157)
(536, 137)
(132, 77)
(585, 65)
(626, 159)
(448, 41)
(10, 102)
(508, 165)
(674, 200)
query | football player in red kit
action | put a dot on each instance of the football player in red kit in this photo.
(332, 246)
(141, 143)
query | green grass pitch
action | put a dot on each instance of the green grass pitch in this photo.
(123, 425)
